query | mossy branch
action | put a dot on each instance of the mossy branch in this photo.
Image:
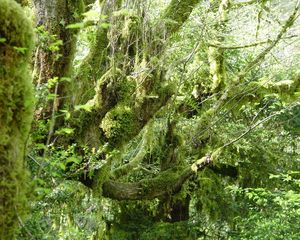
(167, 182)
(232, 86)
(177, 13)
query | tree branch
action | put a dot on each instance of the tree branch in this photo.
(177, 13)
(217, 45)
(262, 55)
(259, 58)
(134, 162)
(166, 183)
(243, 4)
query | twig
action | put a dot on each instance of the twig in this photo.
(250, 129)
(33, 159)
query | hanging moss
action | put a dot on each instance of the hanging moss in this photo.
(16, 101)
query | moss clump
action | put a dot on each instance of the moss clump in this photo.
(16, 107)
(125, 89)
(118, 124)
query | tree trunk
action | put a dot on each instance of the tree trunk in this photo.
(55, 54)
(16, 101)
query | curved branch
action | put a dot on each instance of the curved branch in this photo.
(167, 182)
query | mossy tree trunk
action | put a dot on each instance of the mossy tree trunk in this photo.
(55, 52)
(124, 69)
(53, 17)
(126, 73)
(16, 109)
(216, 55)
(122, 105)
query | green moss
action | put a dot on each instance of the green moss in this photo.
(177, 12)
(118, 124)
(22, 2)
(77, 7)
(16, 101)
(165, 180)
(125, 89)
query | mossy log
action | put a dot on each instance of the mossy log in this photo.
(16, 108)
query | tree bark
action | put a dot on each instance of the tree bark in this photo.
(116, 64)
(55, 54)
(165, 183)
(16, 101)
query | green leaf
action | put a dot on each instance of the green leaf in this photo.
(297, 94)
(2, 40)
(73, 159)
(21, 49)
(62, 166)
(91, 14)
(64, 131)
(104, 25)
(52, 81)
(75, 25)
(85, 107)
(67, 114)
(52, 96)
(54, 47)
(40, 146)
(67, 79)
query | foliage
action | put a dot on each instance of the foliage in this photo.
(273, 214)
(190, 108)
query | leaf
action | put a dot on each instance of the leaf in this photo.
(67, 79)
(40, 146)
(75, 25)
(67, 114)
(62, 166)
(62, 22)
(73, 159)
(65, 131)
(52, 81)
(104, 25)
(2, 40)
(55, 46)
(91, 14)
(297, 94)
(86, 107)
(194, 168)
(42, 191)
(21, 49)
(52, 96)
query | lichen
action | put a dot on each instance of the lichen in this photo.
(16, 101)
